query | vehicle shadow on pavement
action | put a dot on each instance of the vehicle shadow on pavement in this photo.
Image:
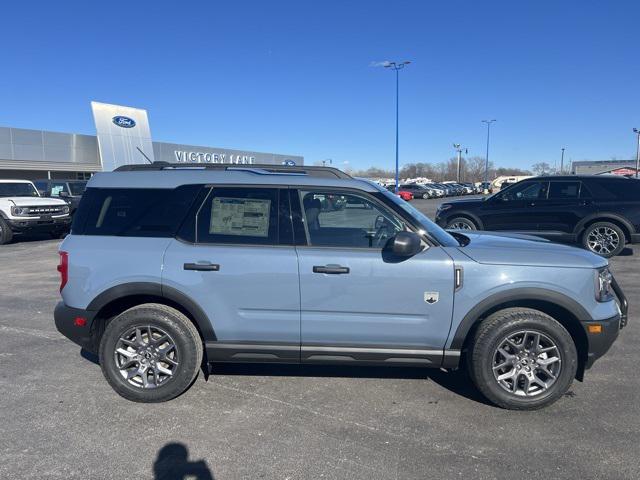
(173, 463)
(457, 382)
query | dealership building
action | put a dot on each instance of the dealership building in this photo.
(599, 167)
(122, 138)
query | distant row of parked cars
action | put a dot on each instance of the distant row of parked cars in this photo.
(409, 191)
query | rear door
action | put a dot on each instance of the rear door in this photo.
(358, 302)
(564, 207)
(235, 258)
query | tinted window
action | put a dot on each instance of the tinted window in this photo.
(247, 216)
(347, 220)
(564, 190)
(525, 191)
(614, 189)
(77, 188)
(133, 212)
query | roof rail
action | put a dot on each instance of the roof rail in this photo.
(311, 171)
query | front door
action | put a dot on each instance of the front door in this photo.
(237, 262)
(511, 209)
(358, 302)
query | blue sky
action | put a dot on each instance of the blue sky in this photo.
(295, 77)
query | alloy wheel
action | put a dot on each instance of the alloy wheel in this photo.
(146, 356)
(459, 226)
(603, 240)
(527, 363)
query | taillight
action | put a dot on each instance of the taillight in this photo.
(63, 268)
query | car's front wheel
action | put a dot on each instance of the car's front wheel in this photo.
(6, 235)
(604, 238)
(461, 223)
(150, 353)
(425, 196)
(522, 359)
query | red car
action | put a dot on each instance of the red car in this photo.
(405, 195)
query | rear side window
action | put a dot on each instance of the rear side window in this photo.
(564, 190)
(133, 212)
(240, 216)
(615, 189)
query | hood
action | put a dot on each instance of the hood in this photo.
(35, 201)
(503, 249)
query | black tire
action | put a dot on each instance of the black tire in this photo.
(58, 234)
(462, 223)
(181, 332)
(6, 235)
(598, 238)
(492, 333)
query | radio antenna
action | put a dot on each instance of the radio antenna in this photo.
(142, 153)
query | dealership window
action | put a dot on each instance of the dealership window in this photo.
(234, 215)
(564, 190)
(337, 219)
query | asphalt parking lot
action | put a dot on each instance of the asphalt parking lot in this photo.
(60, 419)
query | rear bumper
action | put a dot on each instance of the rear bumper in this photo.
(68, 324)
(37, 225)
(635, 237)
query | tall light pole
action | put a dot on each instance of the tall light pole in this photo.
(397, 66)
(637, 132)
(486, 161)
(562, 162)
(459, 149)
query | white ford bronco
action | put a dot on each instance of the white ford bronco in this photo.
(23, 210)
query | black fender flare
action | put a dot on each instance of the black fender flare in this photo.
(156, 289)
(604, 216)
(525, 294)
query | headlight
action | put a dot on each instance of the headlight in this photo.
(65, 209)
(604, 292)
(19, 211)
(444, 207)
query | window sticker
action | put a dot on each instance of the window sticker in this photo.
(240, 216)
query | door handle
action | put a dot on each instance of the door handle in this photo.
(205, 267)
(331, 269)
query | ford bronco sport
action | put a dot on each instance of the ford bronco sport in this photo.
(169, 268)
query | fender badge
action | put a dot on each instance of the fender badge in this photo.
(431, 297)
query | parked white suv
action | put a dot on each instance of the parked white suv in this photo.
(23, 210)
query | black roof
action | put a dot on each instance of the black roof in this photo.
(312, 171)
(581, 177)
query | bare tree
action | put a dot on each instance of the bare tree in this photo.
(541, 168)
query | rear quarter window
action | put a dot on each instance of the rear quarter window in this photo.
(614, 189)
(133, 212)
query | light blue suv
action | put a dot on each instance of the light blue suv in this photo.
(170, 268)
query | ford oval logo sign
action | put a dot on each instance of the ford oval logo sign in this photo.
(124, 122)
(289, 163)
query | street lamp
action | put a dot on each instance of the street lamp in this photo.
(397, 66)
(486, 161)
(459, 149)
(562, 162)
(637, 132)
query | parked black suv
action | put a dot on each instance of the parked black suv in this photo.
(68, 190)
(600, 212)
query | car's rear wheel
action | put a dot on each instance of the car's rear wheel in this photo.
(604, 238)
(6, 235)
(522, 359)
(150, 353)
(461, 223)
(425, 196)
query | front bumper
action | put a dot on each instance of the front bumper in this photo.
(599, 343)
(28, 225)
(68, 324)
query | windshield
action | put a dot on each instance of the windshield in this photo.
(77, 188)
(441, 236)
(15, 189)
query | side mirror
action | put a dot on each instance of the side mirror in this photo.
(63, 194)
(406, 244)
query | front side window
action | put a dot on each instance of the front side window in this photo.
(525, 191)
(337, 219)
(237, 215)
(564, 190)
